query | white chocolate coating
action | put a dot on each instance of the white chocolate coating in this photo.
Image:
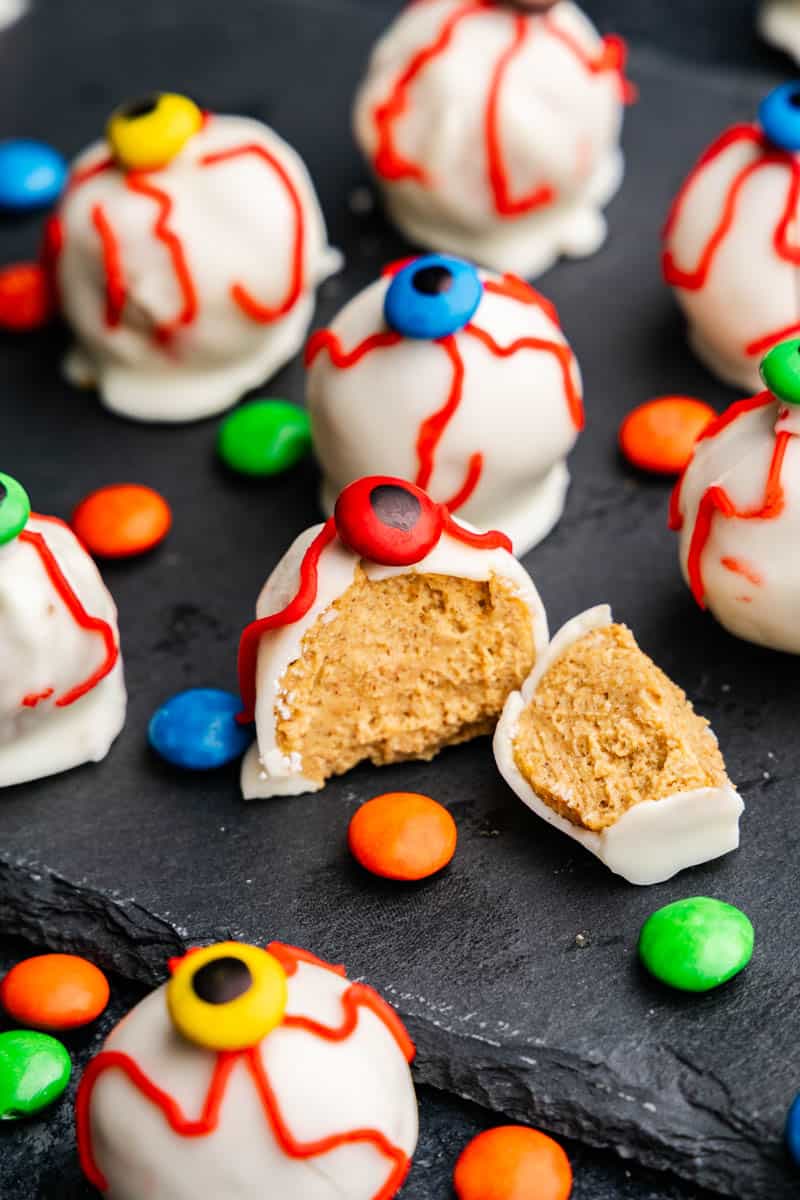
(750, 568)
(43, 650)
(557, 123)
(745, 294)
(322, 1089)
(514, 410)
(236, 223)
(779, 23)
(652, 841)
(266, 771)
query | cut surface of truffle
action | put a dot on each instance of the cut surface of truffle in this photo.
(606, 730)
(399, 668)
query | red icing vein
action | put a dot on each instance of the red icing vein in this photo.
(358, 996)
(81, 618)
(716, 501)
(388, 161)
(163, 232)
(432, 429)
(112, 267)
(696, 277)
(249, 305)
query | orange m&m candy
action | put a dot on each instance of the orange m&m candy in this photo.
(660, 435)
(54, 992)
(122, 520)
(26, 297)
(402, 835)
(513, 1162)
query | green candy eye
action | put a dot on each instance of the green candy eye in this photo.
(15, 508)
(780, 371)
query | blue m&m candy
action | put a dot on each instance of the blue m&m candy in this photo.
(793, 1131)
(779, 116)
(433, 297)
(32, 175)
(198, 729)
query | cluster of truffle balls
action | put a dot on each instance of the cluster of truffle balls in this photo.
(184, 250)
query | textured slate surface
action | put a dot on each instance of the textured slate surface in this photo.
(130, 860)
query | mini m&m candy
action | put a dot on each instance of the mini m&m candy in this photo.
(513, 1162)
(388, 521)
(403, 835)
(148, 133)
(264, 437)
(198, 730)
(54, 992)
(697, 944)
(660, 435)
(793, 1131)
(32, 175)
(26, 297)
(122, 520)
(34, 1071)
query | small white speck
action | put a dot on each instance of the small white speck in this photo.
(361, 201)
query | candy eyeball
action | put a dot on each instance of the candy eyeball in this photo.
(228, 996)
(15, 508)
(780, 371)
(433, 297)
(779, 116)
(388, 521)
(148, 133)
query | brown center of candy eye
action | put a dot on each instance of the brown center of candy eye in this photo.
(433, 281)
(395, 507)
(140, 108)
(222, 980)
(3, 492)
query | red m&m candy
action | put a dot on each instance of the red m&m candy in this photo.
(388, 521)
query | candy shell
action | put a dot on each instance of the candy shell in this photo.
(513, 1162)
(793, 1131)
(264, 437)
(54, 992)
(34, 1071)
(402, 835)
(659, 436)
(697, 944)
(26, 297)
(122, 520)
(198, 730)
(32, 175)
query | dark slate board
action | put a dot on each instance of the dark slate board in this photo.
(130, 861)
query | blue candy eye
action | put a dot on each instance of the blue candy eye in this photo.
(779, 115)
(433, 297)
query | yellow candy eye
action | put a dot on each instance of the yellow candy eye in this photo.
(148, 133)
(228, 996)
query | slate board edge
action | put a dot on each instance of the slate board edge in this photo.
(46, 909)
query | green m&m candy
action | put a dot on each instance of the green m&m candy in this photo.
(34, 1071)
(15, 508)
(780, 371)
(264, 437)
(696, 945)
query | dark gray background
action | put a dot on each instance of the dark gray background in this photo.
(129, 860)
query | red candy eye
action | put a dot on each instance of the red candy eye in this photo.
(388, 521)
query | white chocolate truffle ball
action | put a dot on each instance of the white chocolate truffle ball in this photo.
(62, 694)
(494, 130)
(321, 1107)
(187, 285)
(737, 510)
(730, 249)
(482, 414)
